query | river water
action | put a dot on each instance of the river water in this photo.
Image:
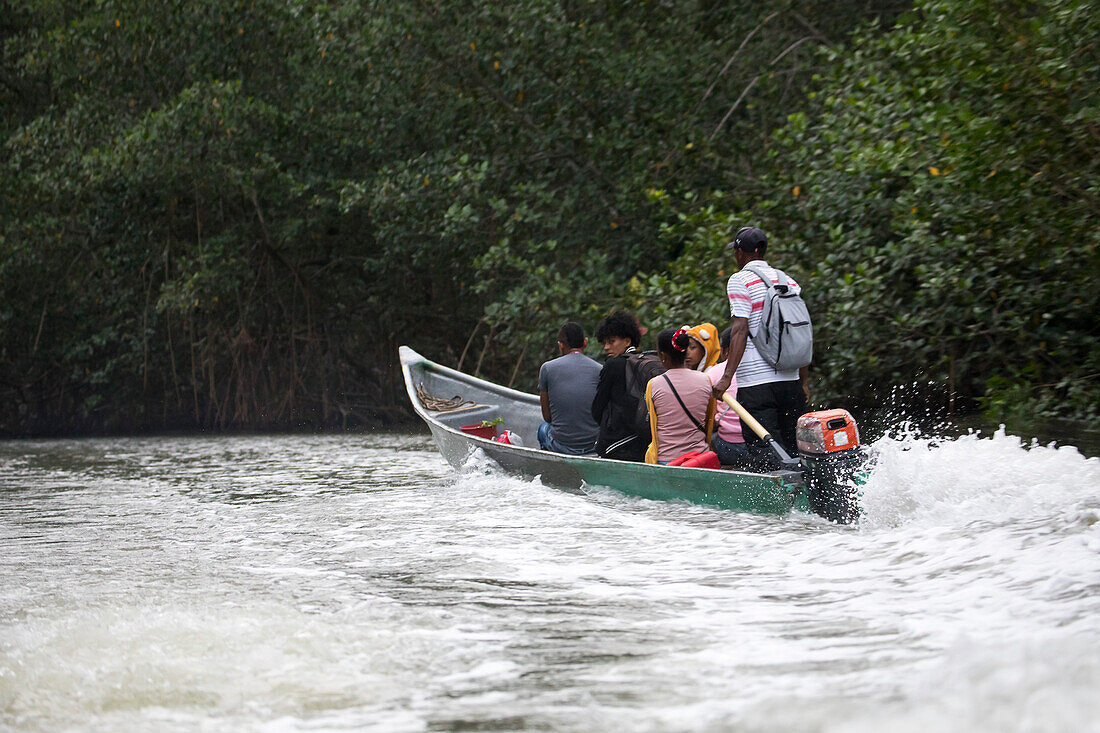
(304, 583)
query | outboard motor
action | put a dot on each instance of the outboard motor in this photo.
(828, 444)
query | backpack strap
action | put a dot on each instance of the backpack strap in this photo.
(781, 276)
(686, 412)
(768, 287)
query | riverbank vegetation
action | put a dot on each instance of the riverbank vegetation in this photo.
(230, 214)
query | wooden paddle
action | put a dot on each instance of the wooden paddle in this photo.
(785, 460)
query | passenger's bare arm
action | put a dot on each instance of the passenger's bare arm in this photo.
(739, 334)
(544, 398)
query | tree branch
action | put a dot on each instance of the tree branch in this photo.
(755, 79)
(730, 62)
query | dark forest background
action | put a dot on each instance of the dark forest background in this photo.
(229, 213)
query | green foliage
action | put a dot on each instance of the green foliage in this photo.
(220, 214)
(939, 193)
(163, 228)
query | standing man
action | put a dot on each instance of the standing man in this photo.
(567, 386)
(775, 398)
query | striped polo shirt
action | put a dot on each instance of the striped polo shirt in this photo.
(746, 293)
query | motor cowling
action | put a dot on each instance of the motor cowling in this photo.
(826, 431)
(828, 445)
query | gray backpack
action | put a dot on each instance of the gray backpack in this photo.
(786, 337)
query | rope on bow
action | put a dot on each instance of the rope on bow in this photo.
(438, 404)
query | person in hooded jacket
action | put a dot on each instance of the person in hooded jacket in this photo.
(704, 347)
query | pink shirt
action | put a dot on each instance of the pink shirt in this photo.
(675, 432)
(729, 425)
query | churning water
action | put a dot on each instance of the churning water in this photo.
(356, 582)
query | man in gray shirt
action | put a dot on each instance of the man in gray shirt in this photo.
(567, 385)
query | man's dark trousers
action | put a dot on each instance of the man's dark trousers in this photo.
(777, 406)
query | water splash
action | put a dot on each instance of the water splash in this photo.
(925, 480)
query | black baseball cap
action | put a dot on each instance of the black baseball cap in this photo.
(749, 239)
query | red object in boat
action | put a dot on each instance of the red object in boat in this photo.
(679, 460)
(697, 459)
(706, 459)
(489, 432)
(509, 438)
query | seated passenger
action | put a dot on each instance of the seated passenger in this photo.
(728, 441)
(613, 407)
(703, 349)
(681, 403)
(567, 386)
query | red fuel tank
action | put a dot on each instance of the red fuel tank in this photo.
(826, 431)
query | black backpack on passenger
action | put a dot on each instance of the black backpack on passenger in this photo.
(640, 368)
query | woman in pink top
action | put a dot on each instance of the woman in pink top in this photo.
(728, 440)
(681, 403)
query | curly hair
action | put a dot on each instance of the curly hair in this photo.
(619, 324)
